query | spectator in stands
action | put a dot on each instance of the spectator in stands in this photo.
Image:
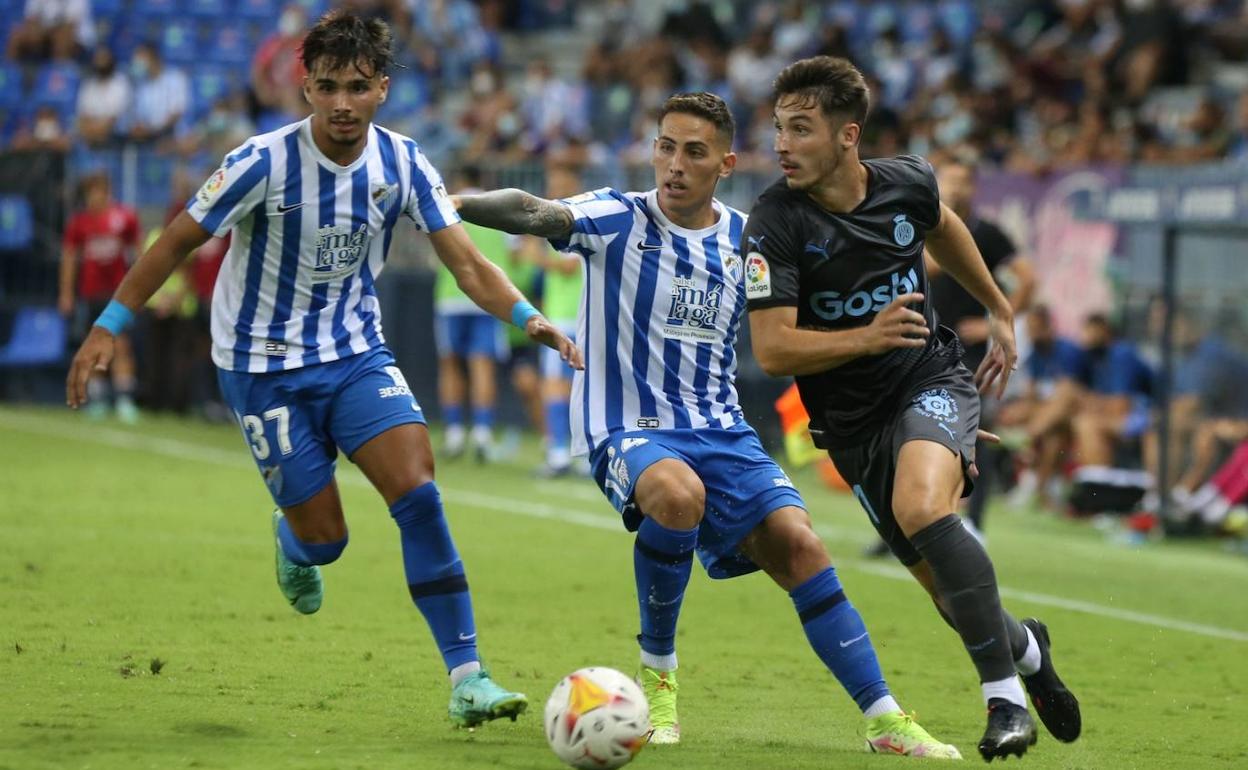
(225, 127)
(103, 99)
(956, 307)
(277, 71)
(52, 29)
(1115, 406)
(554, 110)
(161, 96)
(43, 131)
(100, 241)
(1208, 405)
(491, 119)
(1054, 373)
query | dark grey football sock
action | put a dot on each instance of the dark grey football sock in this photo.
(967, 585)
(1018, 634)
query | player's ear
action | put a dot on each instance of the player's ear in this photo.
(727, 165)
(307, 97)
(851, 132)
(385, 86)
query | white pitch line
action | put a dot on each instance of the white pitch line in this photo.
(233, 459)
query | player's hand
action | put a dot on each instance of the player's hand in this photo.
(457, 202)
(1002, 358)
(897, 326)
(543, 331)
(92, 358)
(983, 435)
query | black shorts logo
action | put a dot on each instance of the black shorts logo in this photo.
(937, 404)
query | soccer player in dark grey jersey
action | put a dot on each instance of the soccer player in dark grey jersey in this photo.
(837, 289)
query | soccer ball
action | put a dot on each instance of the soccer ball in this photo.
(597, 718)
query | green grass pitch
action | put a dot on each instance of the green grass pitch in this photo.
(140, 626)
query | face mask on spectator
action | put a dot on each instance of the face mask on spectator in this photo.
(482, 83)
(46, 129)
(140, 68)
(289, 24)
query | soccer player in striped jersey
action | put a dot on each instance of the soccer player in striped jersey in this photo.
(297, 338)
(656, 408)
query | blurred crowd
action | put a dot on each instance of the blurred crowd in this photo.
(1028, 85)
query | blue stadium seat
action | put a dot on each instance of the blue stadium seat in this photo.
(154, 9)
(264, 10)
(17, 223)
(230, 45)
(56, 86)
(212, 10)
(105, 9)
(916, 23)
(209, 83)
(407, 95)
(38, 338)
(179, 42)
(960, 19)
(12, 93)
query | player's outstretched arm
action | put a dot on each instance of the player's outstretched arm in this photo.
(517, 212)
(784, 350)
(488, 286)
(952, 246)
(149, 273)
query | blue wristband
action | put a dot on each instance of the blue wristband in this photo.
(521, 312)
(115, 318)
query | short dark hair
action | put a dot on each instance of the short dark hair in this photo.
(344, 39)
(707, 106)
(833, 83)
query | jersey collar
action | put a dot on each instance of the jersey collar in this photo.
(652, 203)
(305, 134)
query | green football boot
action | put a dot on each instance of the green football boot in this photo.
(301, 586)
(478, 699)
(898, 733)
(660, 688)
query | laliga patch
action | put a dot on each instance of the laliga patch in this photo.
(212, 188)
(757, 276)
(585, 197)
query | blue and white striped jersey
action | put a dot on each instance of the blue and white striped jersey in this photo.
(309, 238)
(658, 319)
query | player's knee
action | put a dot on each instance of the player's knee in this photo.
(673, 497)
(915, 507)
(806, 556)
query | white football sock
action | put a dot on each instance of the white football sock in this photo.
(1030, 662)
(1006, 689)
(885, 705)
(658, 662)
(463, 671)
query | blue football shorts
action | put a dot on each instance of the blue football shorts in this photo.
(296, 421)
(743, 484)
(470, 335)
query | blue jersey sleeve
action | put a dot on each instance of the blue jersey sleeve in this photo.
(428, 205)
(233, 191)
(595, 216)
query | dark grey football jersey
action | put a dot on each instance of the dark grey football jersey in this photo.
(839, 271)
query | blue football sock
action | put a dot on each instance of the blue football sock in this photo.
(435, 575)
(453, 414)
(839, 637)
(307, 554)
(662, 561)
(482, 417)
(558, 424)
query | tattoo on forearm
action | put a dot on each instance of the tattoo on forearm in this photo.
(516, 211)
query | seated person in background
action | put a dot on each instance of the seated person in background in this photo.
(1042, 417)
(1115, 405)
(1208, 407)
